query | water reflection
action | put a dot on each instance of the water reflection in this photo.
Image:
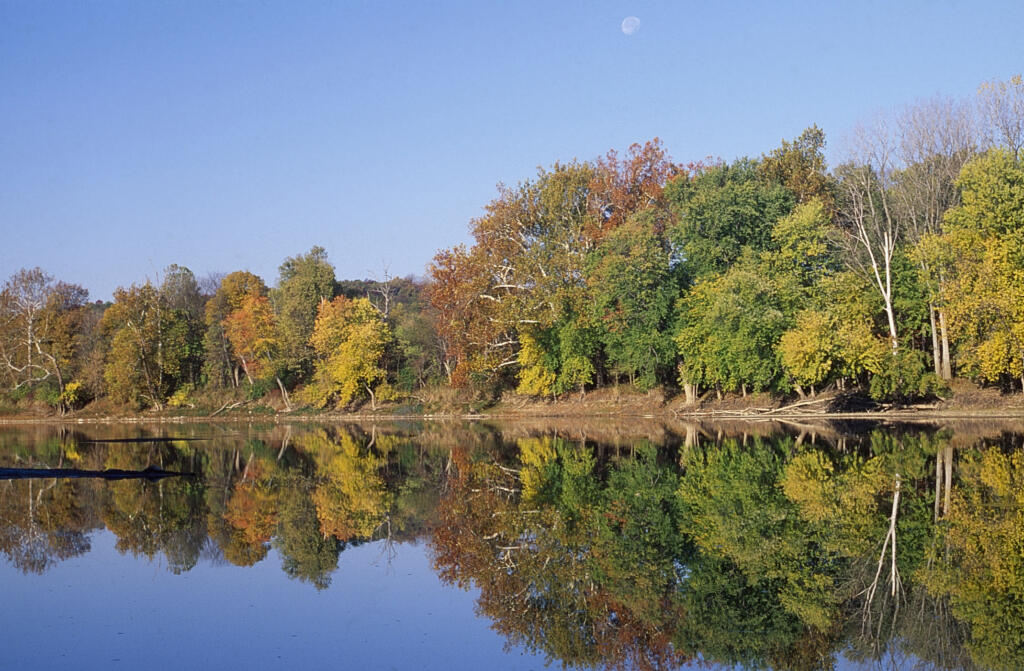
(757, 546)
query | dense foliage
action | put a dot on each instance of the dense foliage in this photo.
(889, 274)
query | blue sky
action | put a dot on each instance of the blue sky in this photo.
(229, 135)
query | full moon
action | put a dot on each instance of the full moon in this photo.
(630, 25)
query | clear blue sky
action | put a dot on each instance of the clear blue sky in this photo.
(229, 135)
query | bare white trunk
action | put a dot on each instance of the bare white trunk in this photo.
(284, 394)
(936, 352)
(947, 366)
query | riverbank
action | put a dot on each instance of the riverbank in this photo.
(967, 401)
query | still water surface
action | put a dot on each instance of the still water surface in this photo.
(465, 546)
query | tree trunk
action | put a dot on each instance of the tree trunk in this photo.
(149, 386)
(284, 394)
(245, 367)
(936, 352)
(227, 360)
(947, 366)
(60, 387)
(691, 393)
(891, 315)
(373, 399)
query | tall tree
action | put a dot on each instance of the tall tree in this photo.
(985, 295)
(304, 281)
(800, 167)
(868, 217)
(721, 211)
(526, 269)
(523, 282)
(936, 138)
(180, 293)
(729, 326)
(252, 331)
(151, 349)
(1001, 105)
(633, 289)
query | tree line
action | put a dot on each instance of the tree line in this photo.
(889, 273)
(315, 340)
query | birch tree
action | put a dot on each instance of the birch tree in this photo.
(39, 319)
(868, 222)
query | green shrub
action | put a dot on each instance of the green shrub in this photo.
(905, 377)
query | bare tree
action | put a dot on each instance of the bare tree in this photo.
(382, 293)
(896, 188)
(936, 138)
(21, 305)
(210, 282)
(867, 212)
(1001, 107)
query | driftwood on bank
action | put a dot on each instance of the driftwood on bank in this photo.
(752, 411)
(227, 406)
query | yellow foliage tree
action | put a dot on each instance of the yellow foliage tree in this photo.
(536, 377)
(985, 296)
(807, 350)
(350, 339)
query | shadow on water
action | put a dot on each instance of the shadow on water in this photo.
(150, 473)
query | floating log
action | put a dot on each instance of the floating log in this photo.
(108, 474)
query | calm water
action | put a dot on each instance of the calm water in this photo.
(470, 546)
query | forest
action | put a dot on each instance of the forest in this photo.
(888, 275)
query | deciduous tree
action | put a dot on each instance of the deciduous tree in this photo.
(39, 324)
(349, 339)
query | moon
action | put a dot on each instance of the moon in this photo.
(630, 25)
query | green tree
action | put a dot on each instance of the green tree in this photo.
(721, 211)
(808, 350)
(525, 275)
(180, 293)
(633, 290)
(303, 283)
(149, 346)
(729, 327)
(800, 167)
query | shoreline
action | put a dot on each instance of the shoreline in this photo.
(900, 415)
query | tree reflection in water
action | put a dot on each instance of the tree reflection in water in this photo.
(896, 547)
